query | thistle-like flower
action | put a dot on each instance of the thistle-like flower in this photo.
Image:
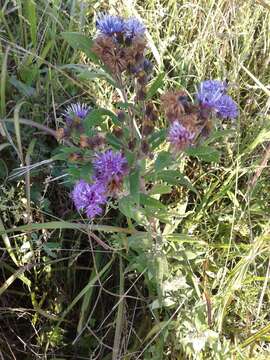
(210, 91)
(109, 25)
(133, 27)
(110, 168)
(212, 94)
(89, 198)
(75, 111)
(179, 136)
(226, 107)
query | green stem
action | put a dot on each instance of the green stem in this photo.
(120, 313)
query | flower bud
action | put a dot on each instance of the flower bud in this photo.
(121, 115)
(132, 144)
(145, 147)
(118, 132)
(74, 157)
(141, 94)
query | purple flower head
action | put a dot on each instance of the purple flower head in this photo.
(210, 91)
(109, 25)
(226, 107)
(89, 198)
(179, 136)
(133, 27)
(212, 94)
(76, 110)
(110, 167)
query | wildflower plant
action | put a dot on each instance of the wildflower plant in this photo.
(122, 152)
(122, 157)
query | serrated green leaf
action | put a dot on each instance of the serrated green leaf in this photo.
(169, 176)
(114, 141)
(160, 189)
(204, 153)
(175, 177)
(163, 160)
(149, 201)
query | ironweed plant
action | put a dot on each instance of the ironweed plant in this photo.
(126, 161)
(124, 156)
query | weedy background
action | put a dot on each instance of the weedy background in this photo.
(63, 297)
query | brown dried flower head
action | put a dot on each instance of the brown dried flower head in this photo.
(151, 112)
(135, 52)
(91, 142)
(173, 105)
(111, 53)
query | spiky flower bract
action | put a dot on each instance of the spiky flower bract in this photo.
(110, 167)
(226, 107)
(109, 24)
(133, 27)
(77, 110)
(179, 136)
(89, 198)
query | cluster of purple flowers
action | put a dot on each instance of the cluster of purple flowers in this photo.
(213, 94)
(212, 97)
(110, 25)
(109, 168)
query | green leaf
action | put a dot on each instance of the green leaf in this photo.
(96, 117)
(4, 145)
(134, 183)
(151, 202)
(160, 189)
(157, 138)
(24, 89)
(163, 160)
(131, 157)
(114, 141)
(158, 82)
(204, 153)
(86, 172)
(63, 152)
(3, 169)
(31, 16)
(86, 73)
(217, 134)
(169, 176)
(175, 177)
(130, 209)
(140, 242)
(123, 105)
(81, 42)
